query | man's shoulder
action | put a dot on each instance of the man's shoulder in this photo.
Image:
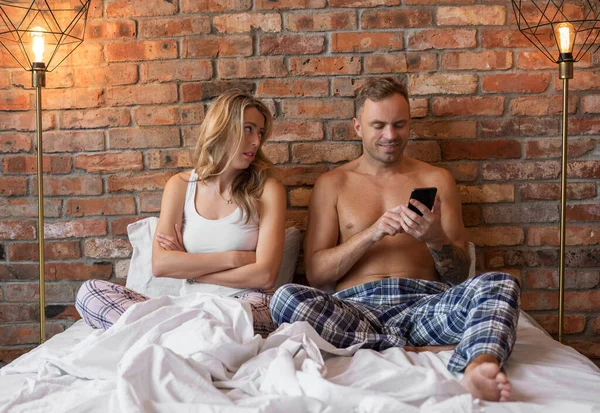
(433, 171)
(336, 177)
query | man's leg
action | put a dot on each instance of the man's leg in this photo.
(261, 316)
(340, 322)
(480, 314)
(101, 303)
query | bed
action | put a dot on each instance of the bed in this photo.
(198, 353)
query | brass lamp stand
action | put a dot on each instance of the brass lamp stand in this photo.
(553, 26)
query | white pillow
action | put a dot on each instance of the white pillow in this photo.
(140, 278)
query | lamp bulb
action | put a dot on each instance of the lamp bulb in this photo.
(565, 35)
(38, 43)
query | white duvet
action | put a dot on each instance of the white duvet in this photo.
(198, 353)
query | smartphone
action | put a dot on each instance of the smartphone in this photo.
(424, 195)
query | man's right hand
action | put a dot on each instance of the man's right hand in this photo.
(390, 223)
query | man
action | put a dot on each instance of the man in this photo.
(399, 277)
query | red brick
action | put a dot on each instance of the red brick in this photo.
(25, 121)
(520, 213)
(190, 136)
(116, 74)
(79, 228)
(72, 98)
(290, 4)
(245, 22)
(106, 248)
(11, 142)
(581, 81)
(4, 79)
(400, 62)
(325, 65)
(359, 42)
(150, 202)
(13, 272)
(169, 115)
(511, 127)
(94, 118)
(171, 27)
(510, 38)
(293, 87)
(424, 151)
(170, 158)
(396, 18)
(583, 212)
(131, 138)
(591, 104)
(326, 21)
(66, 141)
(87, 54)
(584, 169)
(110, 162)
(596, 325)
(363, 3)
(442, 39)
(290, 44)
(341, 131)
(468, 106)
(180, 70)
(27, 164)
(9, 354)
(584, 126)
(481, 149)
(18, 334)
(139, 8)
(582, 300)
(478, 15)
(515, 82)
(214, 46)
(552, 148)
(252, 68)
(551, 191)
(334, 108)
(470, 215)
(309, 153)
(427, 84)
(300, 196)
(195, 6)
(427, 129)
(573, 323)
(14, 313)
(15, 100)
(150, 181)
(541, 105)
(194, 92)
(539, 301)
(61, 250)
(585, 257)
(146, 50)
(297, 218)
(575, 235)
(286, 130)
(110, 30)
(419, 108)
(28, 207)
(277, 153)
(487, 193)
(13, 186)
(62, 77)
(118, 226)
(78, 271)
(17, 230)
(534, 60)
(547, 279)
(78, 185)
(299, 175)
(80, 207)
(486, 60)
(493, 237)
(141, 94)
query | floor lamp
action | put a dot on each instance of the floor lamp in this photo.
(40, 35)
(563, 32)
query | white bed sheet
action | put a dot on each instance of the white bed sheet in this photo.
(198, 354)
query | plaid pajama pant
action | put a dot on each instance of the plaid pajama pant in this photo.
(480, 314)
(101, 303)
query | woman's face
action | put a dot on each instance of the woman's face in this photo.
(253, 131)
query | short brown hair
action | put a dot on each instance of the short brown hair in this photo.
(379, 88)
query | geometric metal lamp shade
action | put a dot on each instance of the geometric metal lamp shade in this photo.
(539, 21)
(60, 24)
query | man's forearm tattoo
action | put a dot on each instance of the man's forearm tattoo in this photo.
(451, 263)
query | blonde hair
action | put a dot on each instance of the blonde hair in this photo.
(221, 135)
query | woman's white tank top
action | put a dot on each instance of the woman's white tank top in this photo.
(201, 235)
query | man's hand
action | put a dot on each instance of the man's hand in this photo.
(171, 243)
(426, 228)
(390, 223)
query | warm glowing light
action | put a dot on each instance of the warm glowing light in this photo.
(565, 34)
(37, 44)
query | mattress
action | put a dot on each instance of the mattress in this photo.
(199, 353)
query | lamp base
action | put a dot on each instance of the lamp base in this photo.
(565, 69)
(38, 74)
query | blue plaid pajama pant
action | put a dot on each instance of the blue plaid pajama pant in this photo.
(479, 315)
(101, 303)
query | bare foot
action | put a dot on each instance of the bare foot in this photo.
(486, 381)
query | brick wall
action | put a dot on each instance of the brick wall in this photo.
(122, 113)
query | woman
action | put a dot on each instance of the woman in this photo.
(221, 223)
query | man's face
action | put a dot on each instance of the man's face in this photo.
(384, 128)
